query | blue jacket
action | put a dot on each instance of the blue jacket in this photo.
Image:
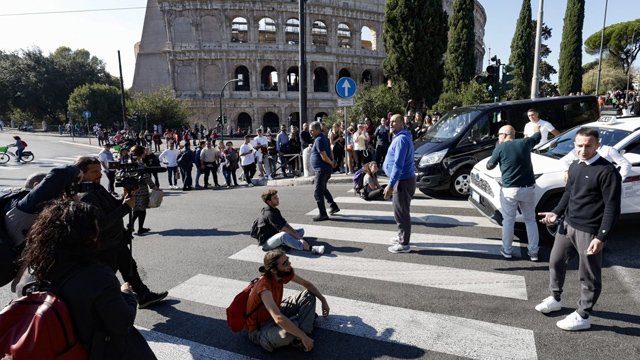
(398, 164)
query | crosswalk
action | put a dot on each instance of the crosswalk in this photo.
(40, 162)
(461, 336)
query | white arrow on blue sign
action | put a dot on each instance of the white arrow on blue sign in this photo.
(86, 114)
(346, 87)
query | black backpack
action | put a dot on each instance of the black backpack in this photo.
(8, 252)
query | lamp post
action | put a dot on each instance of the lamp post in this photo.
(626, 94)
(221, 95)
(604, 23)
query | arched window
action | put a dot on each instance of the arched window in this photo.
(368, 38)
(293, 81)
(244, 121)
(239, 30)
(319, 33)
(319, 116)
(344, 36)
(267, 31)
(294, 119)
(344, 73)
(292, 31)
(320, 80)
(271, 121)
(366, 76)
(269, 79)
(242, 73)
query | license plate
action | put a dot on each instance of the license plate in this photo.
(475, 196)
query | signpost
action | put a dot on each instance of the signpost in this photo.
(86, 114)
(345, 88)
(71, 129)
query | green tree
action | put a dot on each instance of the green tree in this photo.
(570, 62)
(545, 86)
(415, 40)
(103, 101)
(460, 62)
(522, 54)
(470, 93)
(374, 102)
(611, 77)
(159, 107)
(619, 41)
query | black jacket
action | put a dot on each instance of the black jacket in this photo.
(110, 212)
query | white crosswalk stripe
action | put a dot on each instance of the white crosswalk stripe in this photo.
(41, 162)
(414, 202)
(436, 332)
(472, 281)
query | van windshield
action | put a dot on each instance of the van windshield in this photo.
(452, 123)
(563, 144)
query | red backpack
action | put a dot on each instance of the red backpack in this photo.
(237, 312)
(38, 326)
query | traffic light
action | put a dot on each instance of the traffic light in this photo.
(224, 119)
(507, 77)
(136, 116)
(480, 79)
(493, 80)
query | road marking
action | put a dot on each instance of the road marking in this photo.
(419, 218)
(430, 331)
(170, 347)
(441, 277)
(95, 147)
(414, 202)
(427, 241)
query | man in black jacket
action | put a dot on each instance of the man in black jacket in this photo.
(591, 205)
(186, 158)
(112, 237)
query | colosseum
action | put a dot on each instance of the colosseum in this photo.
(195, 47)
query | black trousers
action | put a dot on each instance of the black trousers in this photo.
(249, 171)
(210, 168)
(118, 258)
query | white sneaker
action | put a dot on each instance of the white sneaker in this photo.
(394, 240)
(574, 322)
(549, 305)
(399, 248)
(270, 178)
(250, 185)
(317, 250)
(533, 256)
(505, 254)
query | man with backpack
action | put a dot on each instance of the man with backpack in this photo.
(277, 322)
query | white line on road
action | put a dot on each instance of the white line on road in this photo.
(428, 241)
(430, 331)
(441, 277)
(94, 147)
(414, 202)
(418, 218)
(170, 347)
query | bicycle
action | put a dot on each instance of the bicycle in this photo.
(5, 155)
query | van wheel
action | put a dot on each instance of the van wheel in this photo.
(460, 183)
(547, 232)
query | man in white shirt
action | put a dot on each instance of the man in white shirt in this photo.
(606, 152)
(248, 160)
(170, 158)
(545, 127)
(105, 156)
(260, 144)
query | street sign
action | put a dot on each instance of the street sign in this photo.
(345, 102)
(86, 114)
(346, 87)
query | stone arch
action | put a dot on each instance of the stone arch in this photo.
(293, 80)
(292, 31)
(272, 121)
(269, 79)
(320, 115)
(267, 31)
(367, 76)
(344, 73)
(186, 78)
(320, 80)
(244, 121)
(182, 30)
(344, 36)
(213, 78)
(242, 72)
(239, 30)
(319, 35)
(211, 31)
(294, 119)
(368, 38)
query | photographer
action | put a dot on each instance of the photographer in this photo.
(112, 238)
(142, 192)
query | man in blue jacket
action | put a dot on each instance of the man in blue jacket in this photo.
(399, 167)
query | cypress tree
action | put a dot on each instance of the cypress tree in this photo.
(570, 63)
(521, 54)
(460, 62)
(415, 40)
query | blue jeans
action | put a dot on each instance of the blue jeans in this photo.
(282, 238)
(228, 175)
(171, 174)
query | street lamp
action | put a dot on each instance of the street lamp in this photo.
(221, 95)
(604, 23)
(626, 94)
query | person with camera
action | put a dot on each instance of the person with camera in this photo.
(113, 239)
(61, 253)
(142, 192)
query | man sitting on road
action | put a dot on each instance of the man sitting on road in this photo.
(275, 231)
(280, 323)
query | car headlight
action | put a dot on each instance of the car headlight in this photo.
(432, 158)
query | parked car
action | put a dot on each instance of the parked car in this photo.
(623, 134)
(445, 155)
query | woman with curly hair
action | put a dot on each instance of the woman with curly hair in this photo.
(61, 248)
(372, 189)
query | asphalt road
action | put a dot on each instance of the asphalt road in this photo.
(453, 296)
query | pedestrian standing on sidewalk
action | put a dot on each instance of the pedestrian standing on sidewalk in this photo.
(399, 167)
(591, 206)
(248, 160)
(323, 164)
(518, 186)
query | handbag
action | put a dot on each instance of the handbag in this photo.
(349, 147)
(155, 198)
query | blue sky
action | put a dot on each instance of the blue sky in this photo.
(103, 33)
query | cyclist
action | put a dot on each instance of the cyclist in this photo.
(20, 147)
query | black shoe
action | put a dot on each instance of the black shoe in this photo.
(143, 231)
(334, 210)
(151, 298)
(321, 218)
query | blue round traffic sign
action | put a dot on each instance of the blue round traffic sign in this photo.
(345, 87)
(86, 114)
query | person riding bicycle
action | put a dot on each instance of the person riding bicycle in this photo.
(20, 147)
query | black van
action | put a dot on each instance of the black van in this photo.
(445, 155)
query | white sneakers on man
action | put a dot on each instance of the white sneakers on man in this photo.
(574, 322)
(548, 305)
(317, 249)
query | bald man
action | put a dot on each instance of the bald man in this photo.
(518, 186)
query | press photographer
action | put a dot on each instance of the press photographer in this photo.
(113, 238)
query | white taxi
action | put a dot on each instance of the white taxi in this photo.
(621, 133)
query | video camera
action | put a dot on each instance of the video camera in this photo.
(129, 174)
